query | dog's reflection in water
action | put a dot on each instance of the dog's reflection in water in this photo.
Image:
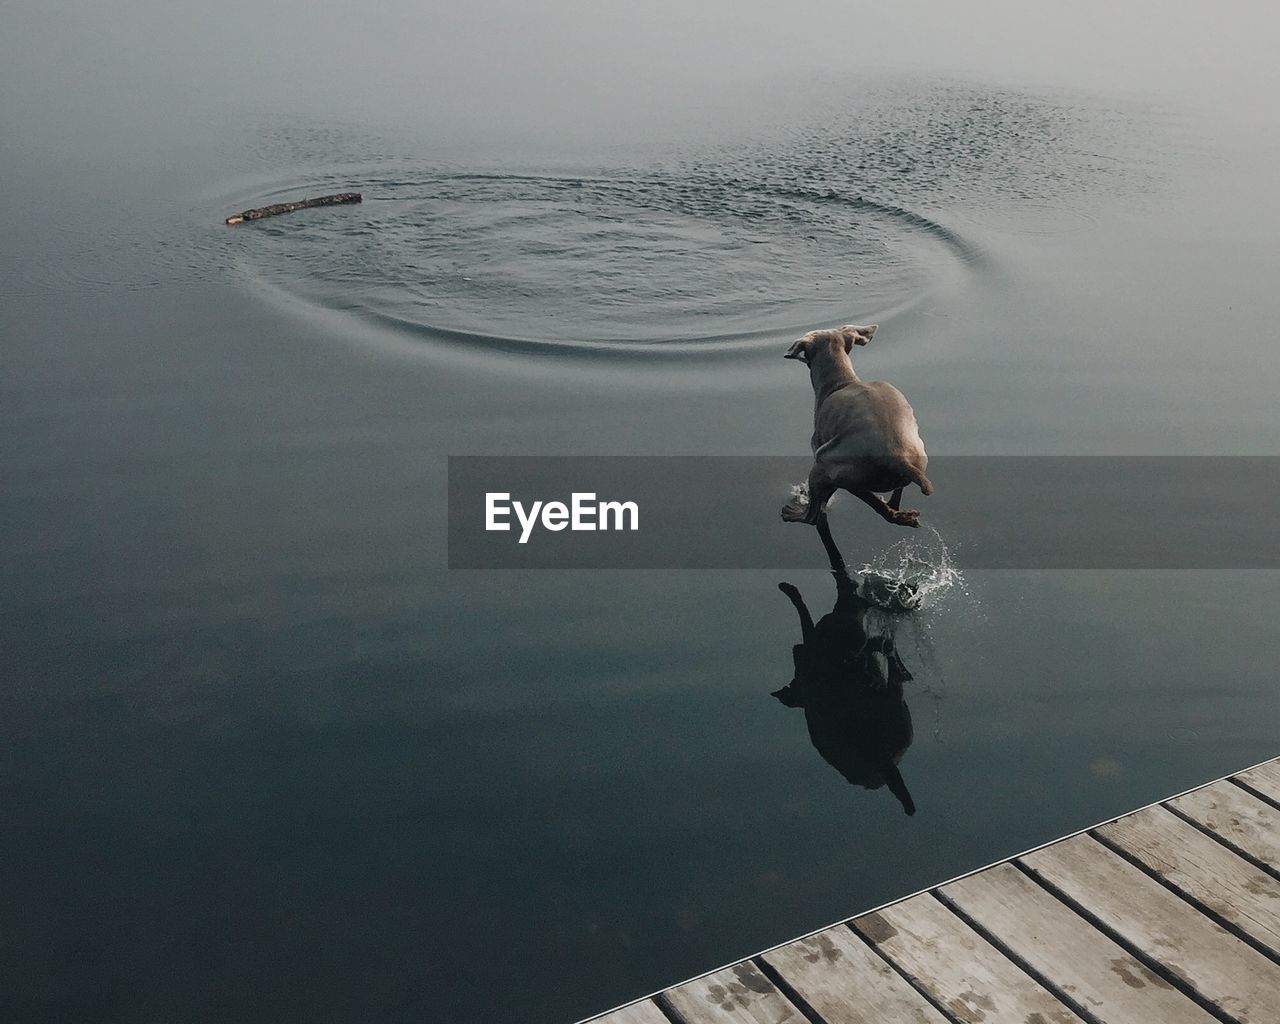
(848, 679)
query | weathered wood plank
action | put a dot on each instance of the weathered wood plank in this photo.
(960, 969)
(1203, 869)
(1244, 821)
(736, 995)
(643, 1012)
(1265, 779)
(1019, 949)
(1163, 926)
(1076, 958)
(846, 983)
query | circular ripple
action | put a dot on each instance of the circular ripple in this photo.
(599, 261)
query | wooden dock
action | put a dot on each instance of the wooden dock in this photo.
(1166, 915)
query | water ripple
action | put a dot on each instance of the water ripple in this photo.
(585, 262)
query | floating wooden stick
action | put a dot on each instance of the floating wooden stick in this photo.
(302, 204)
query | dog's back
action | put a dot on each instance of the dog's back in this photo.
(868, 431)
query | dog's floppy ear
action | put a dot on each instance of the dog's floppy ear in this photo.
(857, 334)
(799, 350)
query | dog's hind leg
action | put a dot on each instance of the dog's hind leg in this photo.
(909, 517)
(821, 487)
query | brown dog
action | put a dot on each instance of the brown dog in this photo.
(865, 437)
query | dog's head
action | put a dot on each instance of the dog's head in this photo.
(841, 339)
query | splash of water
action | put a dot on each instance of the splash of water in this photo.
(915, 573)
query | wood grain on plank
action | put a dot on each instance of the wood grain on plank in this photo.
(735, 995)
(1265, 779)
(1240, 818)
(846, 983)
(960, 969)
(1205, 870)
(643, 1012)
(1076, 958)
(1164, 927)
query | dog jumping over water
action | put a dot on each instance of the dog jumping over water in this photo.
(865, 436)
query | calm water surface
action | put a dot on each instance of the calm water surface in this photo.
(263, 757)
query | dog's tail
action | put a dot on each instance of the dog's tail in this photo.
(899, 788)
(923, 481)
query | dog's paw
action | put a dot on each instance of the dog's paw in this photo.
(907, 517)
(797, 509)
(795, 512)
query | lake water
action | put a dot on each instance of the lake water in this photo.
(264, 757)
